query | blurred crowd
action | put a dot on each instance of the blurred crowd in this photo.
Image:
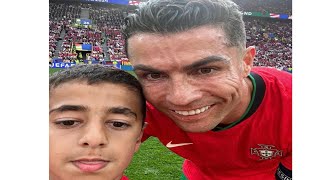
(273, 41)
(266, 6)
(271, 37)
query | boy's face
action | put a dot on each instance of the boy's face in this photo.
(94, 130)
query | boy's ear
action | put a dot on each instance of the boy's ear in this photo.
(140, 136)
(248, 58)
(145, 124)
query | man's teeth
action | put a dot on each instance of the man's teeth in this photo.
(193, 112)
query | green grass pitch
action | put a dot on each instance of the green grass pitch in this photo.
(153, 161)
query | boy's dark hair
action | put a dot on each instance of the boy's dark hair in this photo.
(95, 74)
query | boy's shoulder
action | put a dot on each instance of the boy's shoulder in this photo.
(124, 178)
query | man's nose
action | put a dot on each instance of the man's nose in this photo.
(182, 92)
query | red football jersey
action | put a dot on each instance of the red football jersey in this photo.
(124, 178)
(252, 149)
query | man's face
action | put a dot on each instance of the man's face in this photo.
(94, 130)
(193, 76)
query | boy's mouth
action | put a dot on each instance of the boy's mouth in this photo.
(90, 165)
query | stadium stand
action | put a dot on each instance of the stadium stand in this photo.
(266, 6)
(271, 35)
(273, 41)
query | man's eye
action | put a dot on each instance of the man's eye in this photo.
(153, 76)
(67, 123)
(205, 70)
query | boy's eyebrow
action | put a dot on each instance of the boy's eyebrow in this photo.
(198, 63)
(64, 108)
(116, 110)
(122, 110)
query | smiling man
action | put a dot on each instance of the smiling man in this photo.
(206, 102)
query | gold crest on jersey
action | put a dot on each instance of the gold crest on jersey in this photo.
(266, 151)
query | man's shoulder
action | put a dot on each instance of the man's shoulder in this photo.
(160, 125)
(274, 76)
(271, 71)
(278, 89)
(151, 109)
(154, 114)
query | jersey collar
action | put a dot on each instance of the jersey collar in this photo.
(257, 95)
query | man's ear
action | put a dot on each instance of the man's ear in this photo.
(247, 61)
(140, 136)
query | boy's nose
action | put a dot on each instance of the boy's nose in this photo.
(93, 137)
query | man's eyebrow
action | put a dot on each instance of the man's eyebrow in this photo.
(142, 67)
(64, 108)
(198, 63)
(205, 61)
(122, 110)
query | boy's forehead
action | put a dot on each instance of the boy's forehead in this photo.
(83, 83)
(86, 82)
(107, 90)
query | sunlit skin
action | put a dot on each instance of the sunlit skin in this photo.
(193, 69)
(94, 130)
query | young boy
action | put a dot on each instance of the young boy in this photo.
(96, 122)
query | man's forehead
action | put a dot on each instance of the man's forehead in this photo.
(202, 31)
(200, 37)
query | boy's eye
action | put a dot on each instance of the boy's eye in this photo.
(118, 125)
(67, 123)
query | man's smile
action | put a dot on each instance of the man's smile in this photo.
(193, 112)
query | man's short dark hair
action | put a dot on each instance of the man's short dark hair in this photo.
(171, 16)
